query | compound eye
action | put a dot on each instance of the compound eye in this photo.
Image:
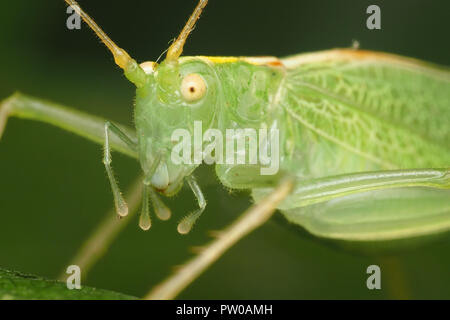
(193, 87)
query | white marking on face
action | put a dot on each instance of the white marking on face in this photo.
(160, 179)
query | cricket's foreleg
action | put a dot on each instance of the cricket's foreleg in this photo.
(187, 222)
(121, 206)
(80, 123)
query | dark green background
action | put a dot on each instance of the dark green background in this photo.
(54, 191)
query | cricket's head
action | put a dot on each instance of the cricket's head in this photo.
(170, 98)
(177, 98)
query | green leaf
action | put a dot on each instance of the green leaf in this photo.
(21, 286)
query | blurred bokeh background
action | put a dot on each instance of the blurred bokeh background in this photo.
(54, 190)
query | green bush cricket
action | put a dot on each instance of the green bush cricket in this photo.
(364, 134)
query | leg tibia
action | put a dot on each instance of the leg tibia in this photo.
(80, 123)
(188, 222)
(121, 206)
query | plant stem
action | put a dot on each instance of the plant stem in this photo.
(253, 218)
(100, 240)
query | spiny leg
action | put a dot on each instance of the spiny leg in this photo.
(85, 125)
(75, 121)
(121, 206)
(187, 222)
(253, 218)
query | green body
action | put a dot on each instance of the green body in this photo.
(365, 134)
(335, 117)
(340, 115)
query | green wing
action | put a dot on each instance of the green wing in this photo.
(363, 111)
(378, 215)
(394, 111)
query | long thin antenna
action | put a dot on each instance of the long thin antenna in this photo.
(121, 57)
(176, 49)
